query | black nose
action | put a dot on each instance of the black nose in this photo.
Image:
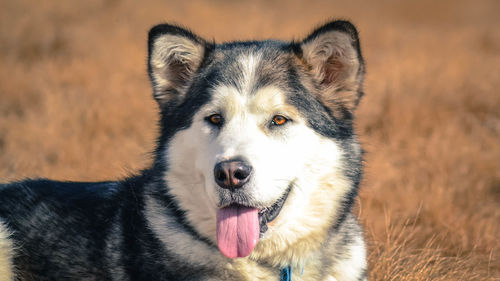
(232, 174)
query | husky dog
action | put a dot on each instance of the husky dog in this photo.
(256, 170)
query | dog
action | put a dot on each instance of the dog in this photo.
(256, 170)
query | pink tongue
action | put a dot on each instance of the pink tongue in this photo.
(237, 230)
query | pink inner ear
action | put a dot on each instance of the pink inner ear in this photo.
(332, 70)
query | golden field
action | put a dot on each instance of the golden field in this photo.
(76, 104)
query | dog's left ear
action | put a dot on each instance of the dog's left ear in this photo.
(333, 58)
(174, 56)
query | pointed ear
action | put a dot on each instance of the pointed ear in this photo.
(333, 57)
(174, 56)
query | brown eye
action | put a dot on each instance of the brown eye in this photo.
(279, 120)
(215, 119)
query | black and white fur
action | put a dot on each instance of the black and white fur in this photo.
(160, 224)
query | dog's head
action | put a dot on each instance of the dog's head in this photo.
(257, 137)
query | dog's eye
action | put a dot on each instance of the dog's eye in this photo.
(279, 120)
(214, 119)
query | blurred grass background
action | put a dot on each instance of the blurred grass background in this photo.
(75, 104)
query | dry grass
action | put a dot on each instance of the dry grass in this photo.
(75, 103)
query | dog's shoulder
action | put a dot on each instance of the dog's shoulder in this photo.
(42, 203)
(31, 191)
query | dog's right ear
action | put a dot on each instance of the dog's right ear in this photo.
(333, 57)
(174, 55)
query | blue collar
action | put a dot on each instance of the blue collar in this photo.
(286, 274)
